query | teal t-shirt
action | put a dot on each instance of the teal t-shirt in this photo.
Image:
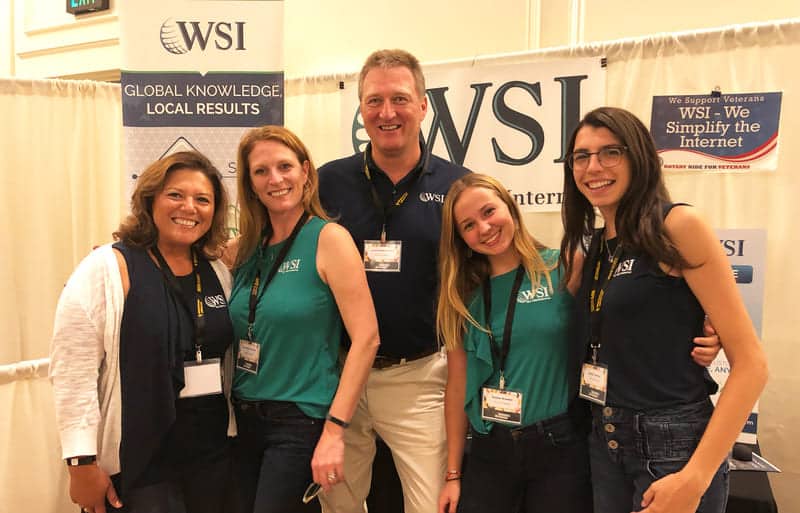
(297, 326)
(537, 358)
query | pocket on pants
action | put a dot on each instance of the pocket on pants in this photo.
(671, 441)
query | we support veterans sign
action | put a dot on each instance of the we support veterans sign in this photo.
(509, 121)
(196, 75)
(725, 132)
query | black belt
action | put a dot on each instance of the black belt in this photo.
(382, 362)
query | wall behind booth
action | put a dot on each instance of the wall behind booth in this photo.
(59, 215)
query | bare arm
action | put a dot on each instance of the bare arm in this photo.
(713, 284)
(574, 281)
(340, 266)
(456, 425)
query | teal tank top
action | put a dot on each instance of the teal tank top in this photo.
(537, 358)
(297, 326)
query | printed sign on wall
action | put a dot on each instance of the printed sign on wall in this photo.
(747, 253)
(196, 75)
(717, 132)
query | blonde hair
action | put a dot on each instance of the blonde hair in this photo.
(462, 272)
(396, 58)
(253, 215)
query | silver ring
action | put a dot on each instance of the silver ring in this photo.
(331, 476)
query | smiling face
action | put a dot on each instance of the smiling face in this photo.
(183, 209)
(486, 225)
(393, 110)
(277, 177)
(603, 187)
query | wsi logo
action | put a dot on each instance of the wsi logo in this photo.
(179, 37)
(217, 301)
(624, 267)
(534, 296)
(431, 196)
(290, 266)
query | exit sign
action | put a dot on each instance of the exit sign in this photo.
(84, 6)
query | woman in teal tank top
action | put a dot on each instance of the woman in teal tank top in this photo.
(298, 279)
(504, 319)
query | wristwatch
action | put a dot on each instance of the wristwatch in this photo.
(77, 461)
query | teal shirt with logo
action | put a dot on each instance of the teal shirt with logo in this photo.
(537, 358)
(297, 326)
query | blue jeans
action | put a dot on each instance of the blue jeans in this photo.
(630, 449)
(272, 456)
(543, 468)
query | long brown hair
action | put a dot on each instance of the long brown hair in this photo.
(640, 217)
(138, 228)
(461, 271)
(253, 215)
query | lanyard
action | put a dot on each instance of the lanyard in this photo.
(255, 297)
(198, 316)
(383, 209)
(596, 296)
(512, 305)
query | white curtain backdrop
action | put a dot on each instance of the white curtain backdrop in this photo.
(60, 164)
(61, 183)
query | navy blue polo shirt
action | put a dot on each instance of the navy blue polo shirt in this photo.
(405, 301)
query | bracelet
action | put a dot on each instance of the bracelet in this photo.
(77, 461)
(453, 478)
(337, 421)
(453, 472)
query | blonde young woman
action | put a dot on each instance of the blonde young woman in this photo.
(505, 313)
(298, 279)
(505, 321)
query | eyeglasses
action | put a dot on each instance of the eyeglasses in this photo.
(608, 156)
(311, 492)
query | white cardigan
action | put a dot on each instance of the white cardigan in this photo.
(84, 359)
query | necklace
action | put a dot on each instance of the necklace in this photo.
(609, 252)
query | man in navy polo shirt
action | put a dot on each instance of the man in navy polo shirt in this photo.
(390, 199)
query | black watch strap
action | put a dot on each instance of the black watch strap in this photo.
(337, 421)
(77, 461)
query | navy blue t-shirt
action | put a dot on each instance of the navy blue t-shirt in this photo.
(405, 301)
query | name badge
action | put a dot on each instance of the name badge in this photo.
(594, 383)
(501, 405)
(204, 378)
(247, 357)
(383, 257)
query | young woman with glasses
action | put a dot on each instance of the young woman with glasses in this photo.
(650, 275)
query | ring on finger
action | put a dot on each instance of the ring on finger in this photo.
(331, 476)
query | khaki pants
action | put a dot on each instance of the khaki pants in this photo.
(404, 405)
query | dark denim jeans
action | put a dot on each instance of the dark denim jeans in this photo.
(632, 449)
(543, 468)
(272, 456)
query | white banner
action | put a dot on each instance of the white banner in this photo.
(747, 253)
(510, 121)
(196, 75)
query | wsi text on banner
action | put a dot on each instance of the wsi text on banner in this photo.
(196, 75)
(747, 253)
(724, 132)
(510, 121)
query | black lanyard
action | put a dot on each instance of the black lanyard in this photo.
(512, 305)
(255, 297)
(383, 209)
(198, 316)
(598, 292)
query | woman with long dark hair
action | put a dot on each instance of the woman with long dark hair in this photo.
(650, 275)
